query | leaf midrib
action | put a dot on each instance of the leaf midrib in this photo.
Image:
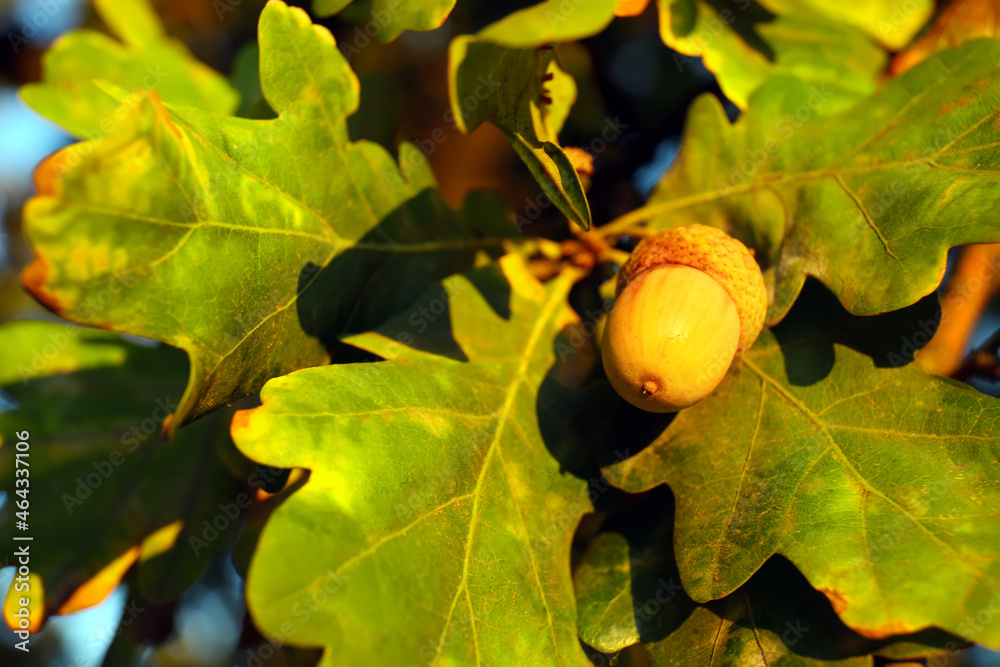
(680, 203)
(774, 178)
(336, 242)
(555, 300)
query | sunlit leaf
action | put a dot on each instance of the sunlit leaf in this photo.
(508, 74)
(869, 200)
(442, 481)
(252, 245)
(144, 59)
(745, 45)
(386, 19)
(890, 22)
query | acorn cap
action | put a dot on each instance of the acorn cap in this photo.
(716, 253)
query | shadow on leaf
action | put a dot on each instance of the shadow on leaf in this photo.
(629, 588)
(389, 270)
(747, 17)
(818, 321)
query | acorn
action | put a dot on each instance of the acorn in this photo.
(690, 299)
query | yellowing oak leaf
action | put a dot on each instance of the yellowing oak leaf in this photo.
(251, 244)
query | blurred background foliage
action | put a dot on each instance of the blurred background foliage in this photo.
(627, 79)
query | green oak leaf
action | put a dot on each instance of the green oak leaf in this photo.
(878, 481)
(386, 19)
(889, 22)
(608, 616)
(550, 21)
(440, 483)
(508, 74)
(745, 45)
(36, 349)
(144, 59)
(250, 244)
(628, 592)
(885, 188)
(100, 480)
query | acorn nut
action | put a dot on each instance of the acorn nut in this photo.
(689, 300)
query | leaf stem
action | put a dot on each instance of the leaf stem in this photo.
(623, 223)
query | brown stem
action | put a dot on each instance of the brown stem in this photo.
(600, 247)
